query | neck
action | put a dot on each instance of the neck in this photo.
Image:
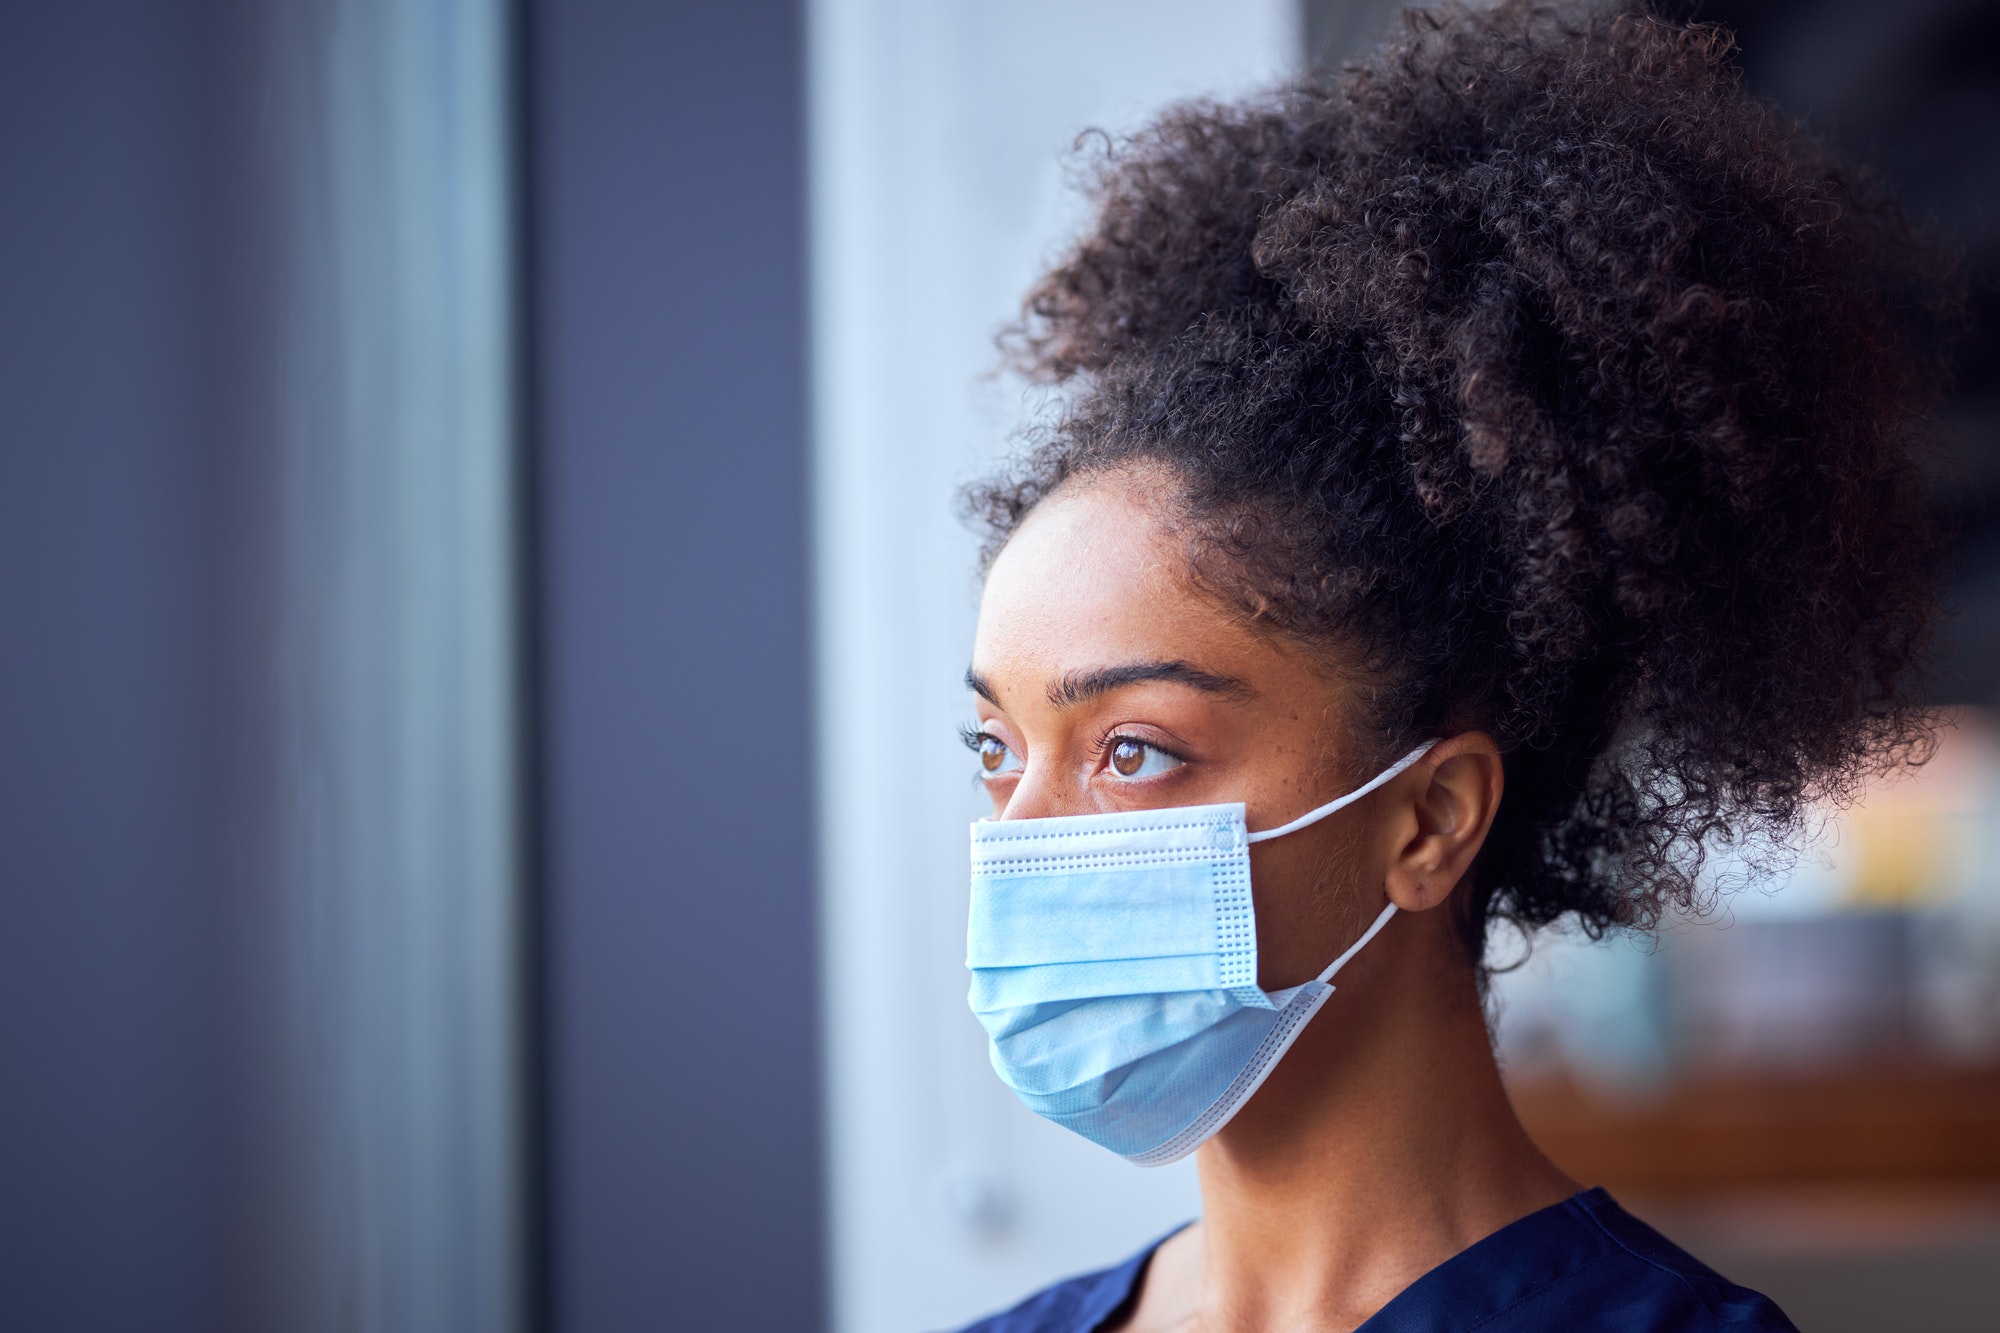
(1382, 1145)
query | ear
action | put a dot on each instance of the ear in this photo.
(1443, 819)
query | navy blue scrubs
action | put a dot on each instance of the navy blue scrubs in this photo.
(1579, 1266)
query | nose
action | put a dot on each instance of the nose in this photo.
(1041, 793)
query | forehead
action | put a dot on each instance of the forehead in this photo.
(1094, 577)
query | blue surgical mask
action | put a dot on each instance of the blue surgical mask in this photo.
(1114, 966)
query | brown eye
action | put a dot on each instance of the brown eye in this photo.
(1136, 759)
(992, 754)
(1128, 757)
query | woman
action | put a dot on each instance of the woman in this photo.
(1488, 478)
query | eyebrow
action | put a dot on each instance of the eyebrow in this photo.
(1079, 686)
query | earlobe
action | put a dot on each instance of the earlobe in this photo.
(1455, 795)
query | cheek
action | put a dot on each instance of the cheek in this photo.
(1307, 888)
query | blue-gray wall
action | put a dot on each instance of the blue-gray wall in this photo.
(666, 242)
(111, 900)
(140, 697)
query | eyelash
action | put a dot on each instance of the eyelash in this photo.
(1109, 739)
(974, 737)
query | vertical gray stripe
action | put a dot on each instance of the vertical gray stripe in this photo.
(395, 1045)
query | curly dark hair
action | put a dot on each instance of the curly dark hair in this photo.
(1546, 380)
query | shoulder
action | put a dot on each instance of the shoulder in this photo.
(1074, 1305)
(1709, 1299)
(1583, 1265)
(1588, 1265)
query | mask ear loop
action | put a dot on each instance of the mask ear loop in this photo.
(1313, 816)
(1381, 920)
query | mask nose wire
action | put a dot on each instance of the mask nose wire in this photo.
(1314, 816)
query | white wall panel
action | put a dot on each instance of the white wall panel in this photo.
(939, 145)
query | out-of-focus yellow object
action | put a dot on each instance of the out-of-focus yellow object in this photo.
(1906, 837)
(1899, 855)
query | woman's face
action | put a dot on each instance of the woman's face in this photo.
(1107, 680)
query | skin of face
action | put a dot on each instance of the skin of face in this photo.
(1107, 678)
